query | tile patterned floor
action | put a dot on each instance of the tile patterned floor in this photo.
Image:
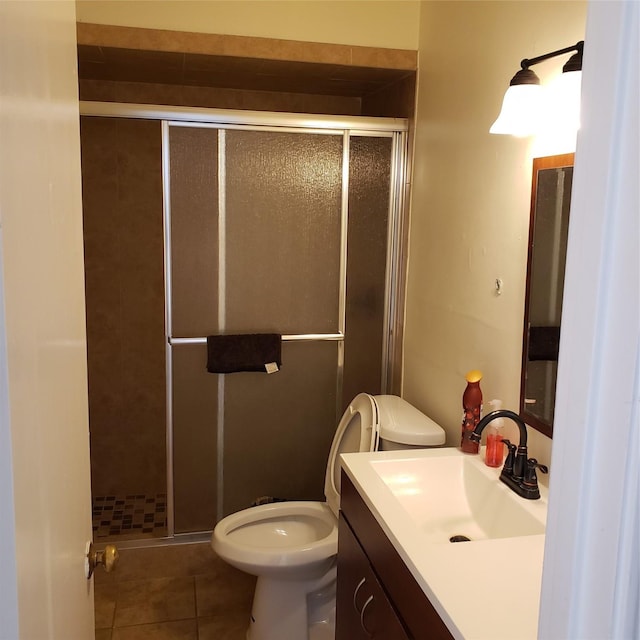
(130, 516)
(177, 592)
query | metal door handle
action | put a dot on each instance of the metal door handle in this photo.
(107, 558)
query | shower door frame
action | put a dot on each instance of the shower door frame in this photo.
(347, 126)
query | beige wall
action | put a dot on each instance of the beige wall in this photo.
(380, 23)
(470, 204)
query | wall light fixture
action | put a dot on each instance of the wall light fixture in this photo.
(523, 108)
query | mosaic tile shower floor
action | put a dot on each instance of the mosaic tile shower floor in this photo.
(129, 517)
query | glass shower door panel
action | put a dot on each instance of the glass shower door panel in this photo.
(369, 194)
(193, 159)
(283, 227)
(195, 450)
(279, 427)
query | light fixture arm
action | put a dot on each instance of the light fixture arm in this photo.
(529, 62)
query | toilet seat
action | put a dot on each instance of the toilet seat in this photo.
(357, 431)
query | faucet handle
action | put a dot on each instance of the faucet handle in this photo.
(530, 476)
(508, 463)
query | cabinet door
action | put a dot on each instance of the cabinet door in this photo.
(363, 610)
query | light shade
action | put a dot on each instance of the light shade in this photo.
(560, 116)
(564, 101)
(520, 113)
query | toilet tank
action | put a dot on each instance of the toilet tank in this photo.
(402, 426)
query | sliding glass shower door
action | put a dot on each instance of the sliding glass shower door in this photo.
(266, 236)
(255, 247)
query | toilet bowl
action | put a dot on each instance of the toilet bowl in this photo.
(291, 546)
(285, 540)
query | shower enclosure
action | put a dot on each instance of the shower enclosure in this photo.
(201, 222)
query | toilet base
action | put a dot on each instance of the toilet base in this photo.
(289, 609)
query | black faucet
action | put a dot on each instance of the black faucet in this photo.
(519, 471)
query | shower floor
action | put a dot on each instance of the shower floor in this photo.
(129, 517)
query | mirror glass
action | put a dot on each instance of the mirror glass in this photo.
(550, 203)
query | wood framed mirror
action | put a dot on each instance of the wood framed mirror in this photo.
(549, 223)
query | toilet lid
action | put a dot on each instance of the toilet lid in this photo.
(357, 431)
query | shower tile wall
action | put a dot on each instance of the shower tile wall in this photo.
(216, 97)
(122, 204)
(227, 72)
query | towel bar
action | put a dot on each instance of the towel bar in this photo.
(285, 338)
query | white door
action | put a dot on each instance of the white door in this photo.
(44, 452)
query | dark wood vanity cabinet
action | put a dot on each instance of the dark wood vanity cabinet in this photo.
(377, 596)
(363, 609)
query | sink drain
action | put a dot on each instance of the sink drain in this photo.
(459, 538)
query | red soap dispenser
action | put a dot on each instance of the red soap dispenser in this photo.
(472, 405)
(494, 452)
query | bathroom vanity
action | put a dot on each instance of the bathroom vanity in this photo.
(393, 608)
(400, 575)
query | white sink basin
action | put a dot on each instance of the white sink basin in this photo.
(422, 498)
(457, 495)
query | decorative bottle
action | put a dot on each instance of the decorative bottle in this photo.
(472, 406)
(494, 452)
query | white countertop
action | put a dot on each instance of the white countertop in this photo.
(482, 590)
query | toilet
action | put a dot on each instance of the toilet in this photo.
(292, 546)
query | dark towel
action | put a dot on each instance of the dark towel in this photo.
(544, 343)
(247, 352)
